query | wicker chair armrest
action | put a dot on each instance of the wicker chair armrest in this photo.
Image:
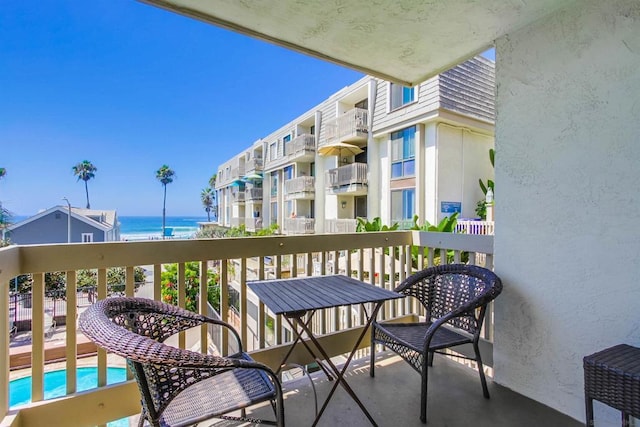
(227, 326)
(431, 331)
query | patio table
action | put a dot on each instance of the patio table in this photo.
(296, 297)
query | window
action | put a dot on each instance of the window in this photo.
(401, 95)
(274, 184)
(403, 153)
(403, 207)
(288, 173)
(286, 145)
(87, 237)
(364, 104)
(274, 212)
(272, 151)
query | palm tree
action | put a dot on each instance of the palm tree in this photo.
(165, 175)
(85, 171)
(3, 172)
(207, 201)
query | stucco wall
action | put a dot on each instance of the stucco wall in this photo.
(568, 198)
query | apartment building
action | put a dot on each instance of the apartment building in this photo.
(372, 149)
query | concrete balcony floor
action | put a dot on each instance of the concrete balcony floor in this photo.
(393, 399)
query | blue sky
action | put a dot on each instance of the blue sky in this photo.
(131, 87)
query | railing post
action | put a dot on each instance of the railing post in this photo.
(37, 338)
(71, 353)
(4, 349)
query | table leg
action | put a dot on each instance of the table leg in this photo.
(305, 325)
(340, 373)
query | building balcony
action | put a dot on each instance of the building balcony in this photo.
(392, 396)
(237, 222)
(238, 197)
(303, 187)
(302, 148)
(253, 224)
(299, 225)
(253, 194)
(237, 173)
(352, 126)
(350, 179)
(340, 225)
(253, 165)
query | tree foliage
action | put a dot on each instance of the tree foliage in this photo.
(206, 196)
(166, 176)
(85, 170)
(169, 283)
(375, 225)
(481, 206)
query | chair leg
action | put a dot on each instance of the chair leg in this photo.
(423, 393)
(588, 404)
(431, 353)
(372, 354)
(483, 380)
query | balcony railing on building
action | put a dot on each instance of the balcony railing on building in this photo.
(237, 222)
(299, 225)
(352, 126)
(253, 224)
(302, 187)
(238, 197)
(253, 194)
(237, 172)
(347, 179)
(340, 225)
(475, 227)
(302, 148)
(253, 165)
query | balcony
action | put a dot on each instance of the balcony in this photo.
(350, 179)
(238, 197)
(340, 225)
(253, 224)
(303, 187)
(352, 126)
(237, 173)
(253, 165)
(237, 222)
(253, 194)
(240, 260)
(299, 225)
(302, 148)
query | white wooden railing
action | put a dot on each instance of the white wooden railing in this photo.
(301, 184)
(300, 145)
(253, 194)
(475, 227)
(340, 225)
(349, 125)
(355, 173)
(382, 259)
(299, 225)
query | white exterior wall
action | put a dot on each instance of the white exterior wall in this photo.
(567, 200)
(463, 158)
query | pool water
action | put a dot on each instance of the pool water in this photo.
(55, 385)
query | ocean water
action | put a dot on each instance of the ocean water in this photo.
(150, 227)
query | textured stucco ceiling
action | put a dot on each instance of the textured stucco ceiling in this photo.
(404, 40)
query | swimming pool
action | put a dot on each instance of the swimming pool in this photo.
(55, 385)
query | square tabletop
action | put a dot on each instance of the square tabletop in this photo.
(312, 293)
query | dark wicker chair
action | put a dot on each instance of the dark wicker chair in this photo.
(454, 295)
(179, 387)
